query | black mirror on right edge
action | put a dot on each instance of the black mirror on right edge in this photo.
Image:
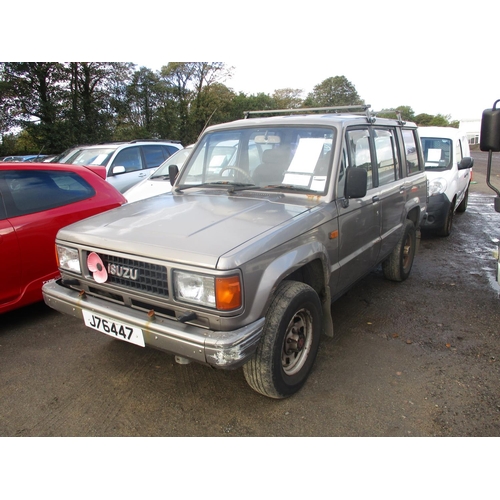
(490, 141)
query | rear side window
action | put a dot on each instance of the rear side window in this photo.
(412, 158)
(170, 150)
(27, 191)
(385, 151)
(154, 155)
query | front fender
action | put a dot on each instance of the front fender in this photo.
(279, 267)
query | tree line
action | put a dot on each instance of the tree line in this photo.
(47, 107)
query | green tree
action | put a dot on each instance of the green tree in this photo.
(426, 120)
(188, 82)
(137, 112)
(33, 95)
(254, 102)
(62, 104)
(6, 111)
(406, 112)
(423, 119)
(288, 98)
(334, 91)
(95, 88)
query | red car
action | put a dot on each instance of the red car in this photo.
(36, 200)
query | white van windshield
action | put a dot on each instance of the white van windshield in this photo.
(437, 153)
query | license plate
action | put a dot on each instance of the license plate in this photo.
(113, 328)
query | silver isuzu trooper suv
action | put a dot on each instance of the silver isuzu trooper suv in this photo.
(270, 220)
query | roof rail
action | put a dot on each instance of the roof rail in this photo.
(328, 109)
(154, 140)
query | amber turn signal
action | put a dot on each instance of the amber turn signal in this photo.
(228, 293)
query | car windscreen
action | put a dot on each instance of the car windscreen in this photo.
(298, 158)
(176, 159)
(94, 156)
(437, 153)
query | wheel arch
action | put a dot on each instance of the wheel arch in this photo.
(307, 264)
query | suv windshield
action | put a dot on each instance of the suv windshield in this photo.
(92, 156)
(437, 153)
(294, 157)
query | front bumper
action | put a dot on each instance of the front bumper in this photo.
(437, 210)
(221, 349)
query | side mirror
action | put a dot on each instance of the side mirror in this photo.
(173, 172)
(490, 141)
(490, 129)
(118, 170)
(355, 182)
(467, 162)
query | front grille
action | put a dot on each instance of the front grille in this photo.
(149, 278)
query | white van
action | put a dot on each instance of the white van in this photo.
(448, 165)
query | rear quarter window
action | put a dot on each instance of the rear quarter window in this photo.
(28, 192)
(413, 164)
(154, 155)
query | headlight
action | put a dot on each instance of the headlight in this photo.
(222, 293)
(68, 259)
(437, 186)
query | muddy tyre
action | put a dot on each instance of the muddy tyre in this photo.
(398, 265)
(448, 223)
(463, 204)
(289, 342)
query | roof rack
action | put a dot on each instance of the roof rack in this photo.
(397, 112)
(355, 108)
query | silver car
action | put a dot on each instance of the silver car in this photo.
(126, 163)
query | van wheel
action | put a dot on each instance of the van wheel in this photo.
(463, 204)
(289, 342)
(397, 266)
(448, 223)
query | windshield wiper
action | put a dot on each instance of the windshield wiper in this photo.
(289, 187)
(230, 185)
(241, 187)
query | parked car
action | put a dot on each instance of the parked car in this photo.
(36, 200)
(269, 221)
(66, 154)
(126, 163)
(13, 158)
(25, 158)
(158, 181)
(35, 158)
(448, 165)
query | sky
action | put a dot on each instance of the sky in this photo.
(438, 57)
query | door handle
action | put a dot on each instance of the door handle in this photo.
(375, 199)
